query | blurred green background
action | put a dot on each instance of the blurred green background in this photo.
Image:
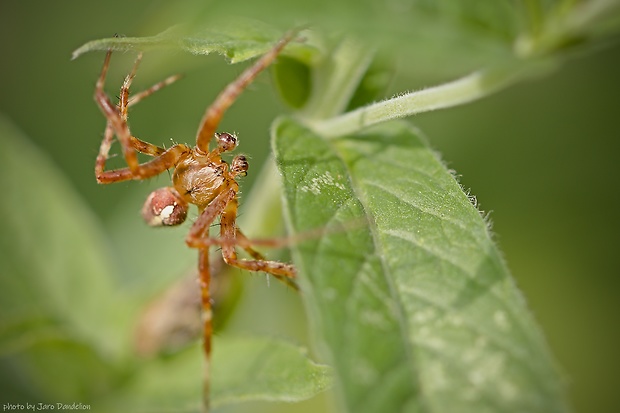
(542, 156)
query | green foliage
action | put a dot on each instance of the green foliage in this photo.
(65, 325)
(238, 41)
(244, 368)
(409, 298)
(413, 301)
(54, 335)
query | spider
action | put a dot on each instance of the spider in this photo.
(200, 177)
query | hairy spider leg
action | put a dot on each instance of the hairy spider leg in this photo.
(214, 113)
(154, 167)
(114, 117)
(139, 145)
(204, 278)
(124, 95)
(137, 97)
(200, 230)
(226, 204)
(245, 243)
(104, 150)
(241, 240)
(125, 102)
(117, 123)
(228, 231)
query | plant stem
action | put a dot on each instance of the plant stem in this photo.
(336, 78)
(466, 89)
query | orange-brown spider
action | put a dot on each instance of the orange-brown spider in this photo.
(200, 176)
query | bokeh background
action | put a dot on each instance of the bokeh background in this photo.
(542, 156)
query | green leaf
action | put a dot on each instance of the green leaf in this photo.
(238, 40)
(443, 37)
(374, 83)
(59, 335)
(65, 323)
(292, 78)
(558, 27)
(256, 368)
(432, 37)
(415, 307)
(244, 369)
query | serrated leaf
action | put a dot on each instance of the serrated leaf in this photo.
(443, 36)
(56, 340)
(244, 369)
(415, 308)
(446, 37)
(238, 40)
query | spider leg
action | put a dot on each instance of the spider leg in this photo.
(226, 98)
(146, 147)
(283, 272)
(117, 123)
(166, 160)
(126, 102)
(106, 144)
(104, 150)
(225, 204)
(198, 236)
(137, 97)
(115, 118)
(198, 231)
(204, 277)
(124, 95)
(245, 243)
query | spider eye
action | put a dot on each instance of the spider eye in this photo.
(164, 207)
(226, 141)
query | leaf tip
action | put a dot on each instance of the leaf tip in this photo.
(77, 52)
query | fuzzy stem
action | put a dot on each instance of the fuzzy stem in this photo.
(463, 90)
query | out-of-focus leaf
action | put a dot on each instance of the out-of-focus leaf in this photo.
(255, 368)
(374, 83)
(415, 307)
(59, 333)
(431, 40)
(429, 37)
(244, 369)
(238, 41)
(556, 27)
(64, 327)
(441, 38)
(292, 78)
